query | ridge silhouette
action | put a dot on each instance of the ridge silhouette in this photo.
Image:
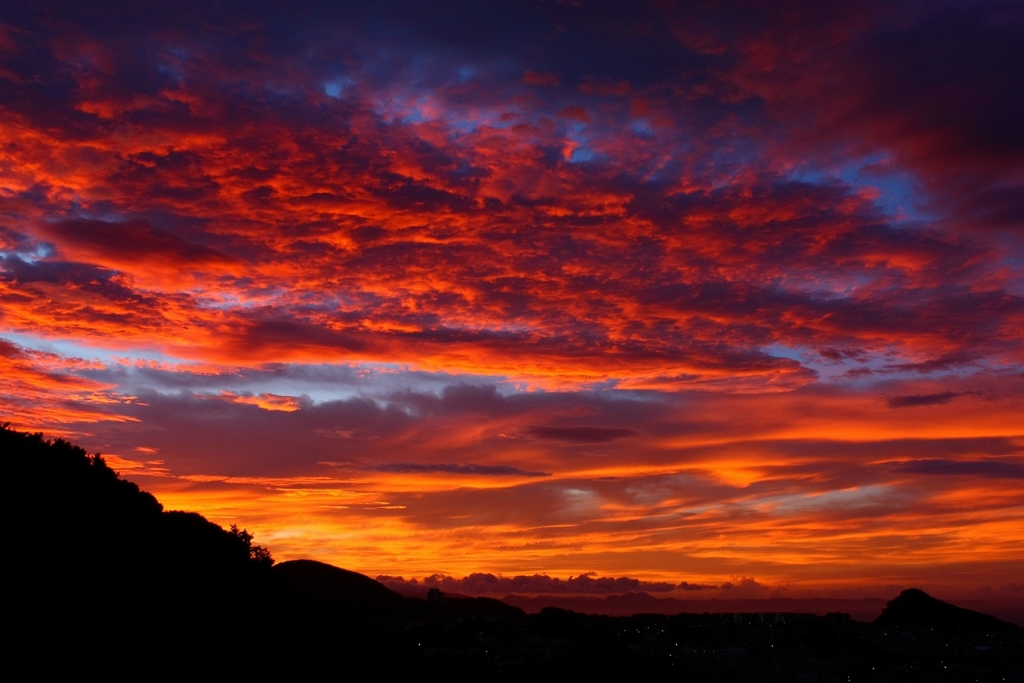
(336, 587)
(914, 607)
(102, 579)
(99, 560)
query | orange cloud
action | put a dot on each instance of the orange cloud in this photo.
(266, 401)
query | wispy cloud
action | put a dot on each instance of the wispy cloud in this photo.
(922, 399)
(451, 468)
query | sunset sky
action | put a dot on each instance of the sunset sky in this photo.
(700, 294)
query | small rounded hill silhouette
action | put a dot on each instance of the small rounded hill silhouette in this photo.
(336, 587)
(914, 607)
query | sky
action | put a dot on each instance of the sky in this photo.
(704, 298)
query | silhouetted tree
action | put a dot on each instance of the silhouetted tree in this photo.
(257, 553)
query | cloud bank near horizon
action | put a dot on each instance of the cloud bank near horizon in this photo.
(538, 584)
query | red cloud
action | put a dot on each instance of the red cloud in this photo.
(540, 79)
(125, 245)
(574, 113)
(620, 89)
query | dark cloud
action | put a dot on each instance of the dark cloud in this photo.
(943, 362)
(9, 350)
(957, 54)
(543, 79)
(451, 468)
(996, 469)
(575, 113)
(685, 586)
(537, 584)
(922, 399)
(746, 586)
(843, 354)
(130, 241)
(256, 336)
(918, 448)
(580, 434)
(104, 283)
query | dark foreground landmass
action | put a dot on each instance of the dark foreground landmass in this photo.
(104, 580)
(861, 609)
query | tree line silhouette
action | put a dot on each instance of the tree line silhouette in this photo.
(97, 561)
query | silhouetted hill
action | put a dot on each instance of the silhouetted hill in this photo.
(98, 560)
(914, 607)
(72, 506)
(336, 588)
(461, 606)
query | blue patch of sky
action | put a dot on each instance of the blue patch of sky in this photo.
(319, 382)
(425, 76)
(1015, 283)
(463, 125)
(1011, 250)
(336, 87)
(828, 368)
(72, 349)
(227, 302)
(102, 211)
(581, 154)
(35, 252)
(610, 389)
(642, 128)
(577, 132)
(170, 68)
(782, 351)
(899, 197)
(412, 110)
(858, 497)
(874, 366)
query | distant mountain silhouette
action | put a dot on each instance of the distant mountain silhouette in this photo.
(863, 609)
(914, 607)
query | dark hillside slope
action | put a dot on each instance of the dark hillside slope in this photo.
(914, 607)
(335, 588)
(96, 567)
(91, 555)
(69, 507)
